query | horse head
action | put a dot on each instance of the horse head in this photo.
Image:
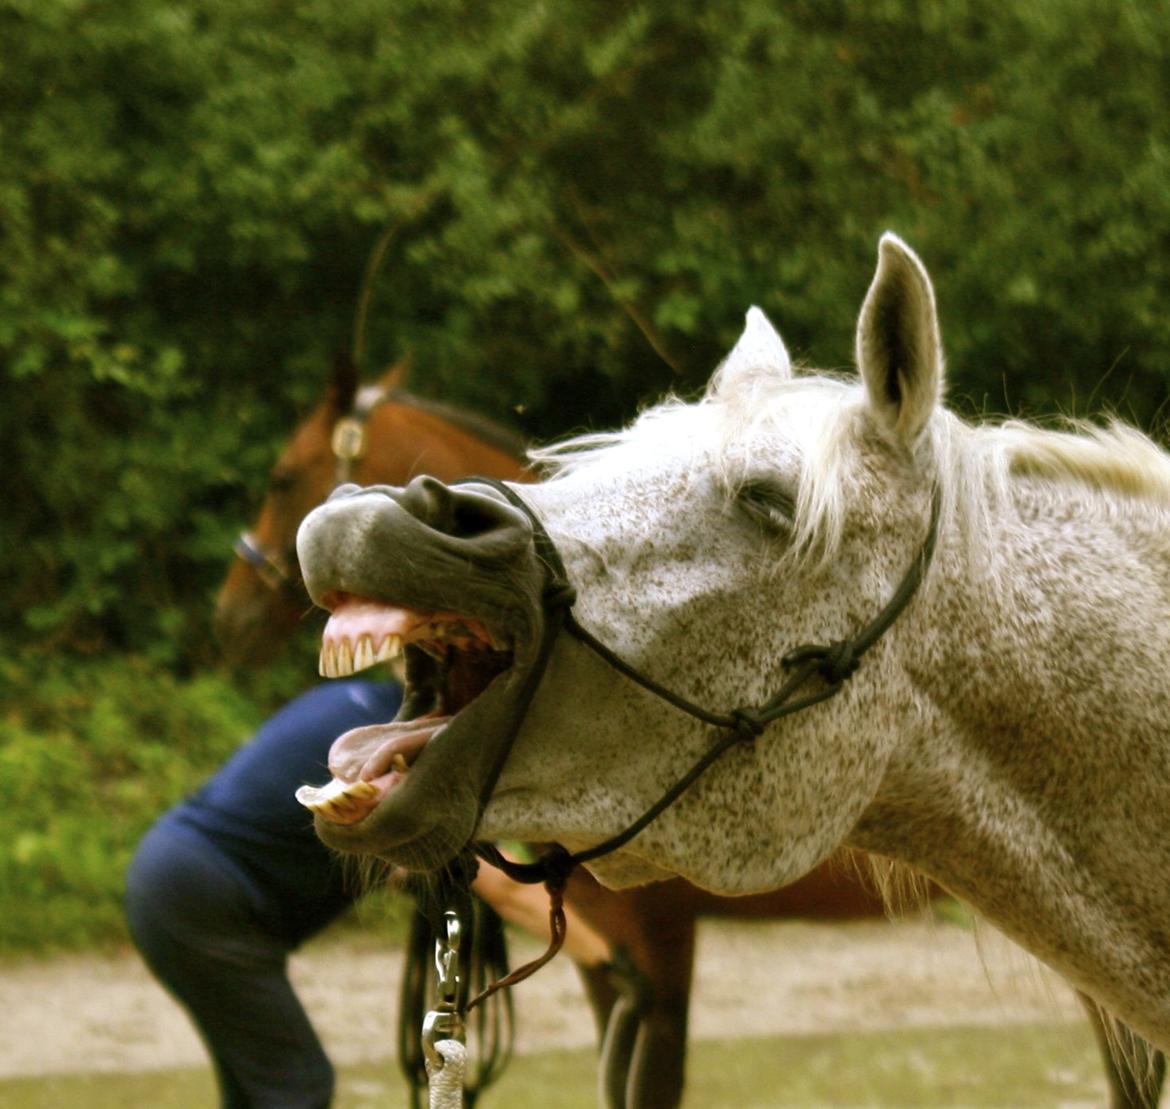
(262, 599)
(703, 542)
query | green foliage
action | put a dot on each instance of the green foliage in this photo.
(92, 756)
(188, 193)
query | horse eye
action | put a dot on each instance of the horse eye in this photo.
(769, 505)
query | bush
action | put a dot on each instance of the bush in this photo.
(584, 198)
(94, 753)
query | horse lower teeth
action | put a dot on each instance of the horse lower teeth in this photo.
(334, 796)
(400, 764)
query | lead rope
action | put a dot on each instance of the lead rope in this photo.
(558, 928)
(443, 1036)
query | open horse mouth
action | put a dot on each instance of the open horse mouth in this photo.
(448, 578)
(450, 660)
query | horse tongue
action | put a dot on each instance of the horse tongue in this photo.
(366, 764)
(371, 751)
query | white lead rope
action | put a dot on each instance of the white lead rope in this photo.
(444, 1051)
(445, 1083)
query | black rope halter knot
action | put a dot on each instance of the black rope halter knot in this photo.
(836, 662)
(748, 724)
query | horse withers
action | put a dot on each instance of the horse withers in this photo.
(1005, 733)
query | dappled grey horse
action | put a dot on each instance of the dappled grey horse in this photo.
(944, 644)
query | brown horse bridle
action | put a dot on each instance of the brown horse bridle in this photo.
(279, 570)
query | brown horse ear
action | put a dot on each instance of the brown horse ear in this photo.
(395, 377)
(343, 381)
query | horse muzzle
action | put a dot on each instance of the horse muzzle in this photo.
(448, 578)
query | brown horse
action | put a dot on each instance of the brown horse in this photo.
(382, 435)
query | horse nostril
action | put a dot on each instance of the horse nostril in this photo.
(475, 515)
(429, 500)
(464, 513)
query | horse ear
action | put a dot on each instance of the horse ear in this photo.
(395, 377)
(899, 351)
(343, 382)
(759, 351)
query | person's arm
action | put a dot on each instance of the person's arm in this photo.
(528, 907)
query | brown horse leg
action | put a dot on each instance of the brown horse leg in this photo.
(601, 994)
(1134, 1069)
(619, 999)
(644, 1058)
(617, 1054)
(620, 1040)
(656, 1068)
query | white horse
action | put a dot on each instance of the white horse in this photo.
(1008, 735)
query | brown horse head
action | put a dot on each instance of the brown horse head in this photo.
(377, 434)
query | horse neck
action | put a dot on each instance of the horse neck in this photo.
(1058, 614)
(404, 440)
(1040, 722)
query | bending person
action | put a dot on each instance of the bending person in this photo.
(231, 880)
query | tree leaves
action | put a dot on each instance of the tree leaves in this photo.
(586, 198)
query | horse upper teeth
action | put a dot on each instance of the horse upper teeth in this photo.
(390, 648)
(336, 659)
(340, 658)
(336, 798)
(399, 763)
(364, 657)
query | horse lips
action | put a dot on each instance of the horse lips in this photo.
(456, 657)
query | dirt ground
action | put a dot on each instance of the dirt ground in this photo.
(87, 1014)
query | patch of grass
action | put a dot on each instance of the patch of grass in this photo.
(1040, 1066)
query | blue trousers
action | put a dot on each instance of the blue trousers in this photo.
(196, 922)
(232, 879)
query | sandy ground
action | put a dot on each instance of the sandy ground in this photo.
(86, 1013)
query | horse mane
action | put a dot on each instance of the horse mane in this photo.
(977, 465)
(1111, 458)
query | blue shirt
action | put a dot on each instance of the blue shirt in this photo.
(249, 813)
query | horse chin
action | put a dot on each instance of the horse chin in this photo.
(421, 820)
